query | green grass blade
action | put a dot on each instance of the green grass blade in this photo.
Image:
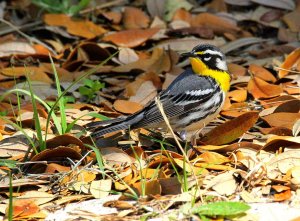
(96, 115)
(98, 158)
(25, 134)
(75, 82)
(61, 101)
(36, 118)
(50, 115)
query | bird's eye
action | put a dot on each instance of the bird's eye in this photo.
(207, 58)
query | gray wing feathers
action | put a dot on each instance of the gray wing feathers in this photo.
(186, 92)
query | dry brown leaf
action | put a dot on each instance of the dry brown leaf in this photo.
(170, 186)
(236, 70)
(115, 156)
(55, 154)
(227, 104)
(217, 6)
(145, 93)
(38, 197)
(127, 107)
(223, 184)
(64, 140)
(183, 15)
(211, 158)
(54, 168)
(261, 89)
(85, 29)
(230, 130)
(277, 100)
(131, 38)
(291, 88)
(282, 119)
(24, 207)
(127, 55)
(22, 182)
(286, 195)
(276, 142)
(291, 60)
(280, 131)
(292, 106)
(292, 20)
(14, 146)
(261, 73)
(271, 15)
(100, 188)
(286, 4)
(134, 18)
(148, 188)
(183, 164)
(40, 49)
(34, 73)
(239, 95)
(216, 23)
(114, 16)
(16, 47)
(158, 62)
(280, 188)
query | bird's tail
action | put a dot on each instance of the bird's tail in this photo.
(113, 125)
(121, 123)
(109, 128)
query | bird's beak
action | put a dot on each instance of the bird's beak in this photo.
(188, 54)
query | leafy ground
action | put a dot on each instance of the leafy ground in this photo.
(97, 60)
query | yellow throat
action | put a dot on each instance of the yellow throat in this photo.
(221, 77)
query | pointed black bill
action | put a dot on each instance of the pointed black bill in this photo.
(188, 54)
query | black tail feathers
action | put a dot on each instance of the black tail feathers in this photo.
(110, 128)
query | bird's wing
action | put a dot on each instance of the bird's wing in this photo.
(180, 97)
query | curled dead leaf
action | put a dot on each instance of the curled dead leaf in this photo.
(148, 188)
(216, 23)
(131, 38)
(134, 18)
(261, 89)
(24, 207)
(282, 119)
(86, 29)
(261, 72)
(238, 95)
(127, 107)
(291, 60)
(230, 130)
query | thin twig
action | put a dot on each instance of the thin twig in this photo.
(284, 69)
(161, 109)
(25, 26)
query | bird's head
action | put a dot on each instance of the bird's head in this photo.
(207, 57)
(208, 60)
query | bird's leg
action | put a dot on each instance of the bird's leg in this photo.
(194, 139)
(183, 136)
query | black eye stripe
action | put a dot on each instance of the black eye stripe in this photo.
(214, 56)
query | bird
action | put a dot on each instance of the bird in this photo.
(191, 101)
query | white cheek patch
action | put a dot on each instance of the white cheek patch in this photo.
(221, 64)
(207, 58)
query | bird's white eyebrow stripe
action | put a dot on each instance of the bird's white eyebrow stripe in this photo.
(208, 51)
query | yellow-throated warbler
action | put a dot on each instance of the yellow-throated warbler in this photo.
(192, 100)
